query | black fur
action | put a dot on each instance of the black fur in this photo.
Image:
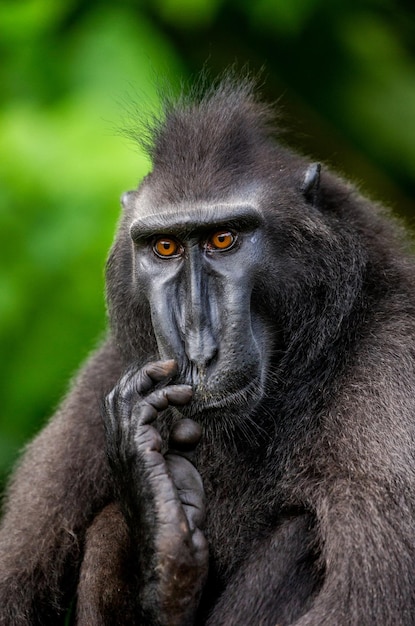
(311, 492)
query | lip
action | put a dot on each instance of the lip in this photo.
(204, 400)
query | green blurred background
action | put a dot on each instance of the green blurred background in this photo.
(342, 71)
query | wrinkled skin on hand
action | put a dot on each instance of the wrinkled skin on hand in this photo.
(161, 496)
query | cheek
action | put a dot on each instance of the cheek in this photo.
(244, 347)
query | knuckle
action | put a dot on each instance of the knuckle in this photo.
(147, 437)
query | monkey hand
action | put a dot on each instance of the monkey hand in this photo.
(162, 496)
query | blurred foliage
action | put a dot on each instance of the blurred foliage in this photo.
(343, 73)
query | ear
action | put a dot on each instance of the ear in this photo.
(311, 183)
(127, 199)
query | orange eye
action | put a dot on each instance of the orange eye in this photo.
(166, 247)
(222, 240)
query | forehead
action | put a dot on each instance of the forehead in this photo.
(149, 215)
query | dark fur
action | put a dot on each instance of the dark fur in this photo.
(311, 497)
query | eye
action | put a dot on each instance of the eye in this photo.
(222, 240)
(166, 247)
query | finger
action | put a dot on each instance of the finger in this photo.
(134, 384)
(153, 373)
(148, 439)
(178, 395)
(185, 435)
(139, 382)
(146, 410)
(189, 486)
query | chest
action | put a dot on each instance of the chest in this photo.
(242, 507)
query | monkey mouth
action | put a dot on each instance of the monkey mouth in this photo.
(211, 399)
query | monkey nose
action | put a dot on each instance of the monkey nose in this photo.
(201, 348)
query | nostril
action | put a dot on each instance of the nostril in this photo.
(212, 357)
(204, 360)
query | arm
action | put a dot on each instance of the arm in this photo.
(146, 559)
(278, 580)
(369, 555)
(62, 480)
(351, 565)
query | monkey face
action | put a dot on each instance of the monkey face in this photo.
(197, 268)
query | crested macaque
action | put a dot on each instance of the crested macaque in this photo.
(240, 449)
